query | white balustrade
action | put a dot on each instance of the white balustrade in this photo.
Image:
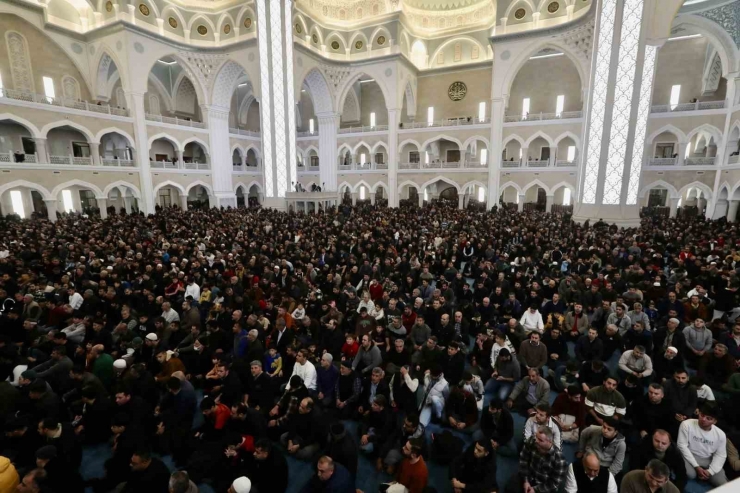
(565, 163)
(61, 102)
(733, 159)
(538, 163)
(700, 161)
(538, 117)
(241, 131)
(697, 106)
(663, 161)
(446, 122)
(174, 121)
(360, 129)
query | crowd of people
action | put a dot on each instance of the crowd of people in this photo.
(232, 339)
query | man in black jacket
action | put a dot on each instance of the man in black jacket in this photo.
(342, 448)
(373, 386)
(306, 431)
(659, 446)
(268, 469)
(147, 474)
(650, 412)
(376, 426)
(557, 349)
(475, 470)
(496, 425)
(453, 363)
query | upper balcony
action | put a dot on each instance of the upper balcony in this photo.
(241, 131)
(173, 120)
(59, 102)
(542, 117)
(683, 108)
(538, 163)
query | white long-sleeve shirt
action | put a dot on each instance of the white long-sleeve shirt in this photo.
(192, 290)
(307, 372)
(530, 427)
(75, 301)
(75, 333)
(693, 443)
(572, 487)
(532, 321)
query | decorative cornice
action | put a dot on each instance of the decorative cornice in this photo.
(727, 16)
(560, 29)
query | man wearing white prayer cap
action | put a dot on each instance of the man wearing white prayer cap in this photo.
(241, 485)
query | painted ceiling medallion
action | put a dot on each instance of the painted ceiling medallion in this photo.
(381, 40)
(553, 7)
(298, 28)
(359, 45)
(335, 45)
(227, 28)
(108, 6)
(173, 22)
(519, 14)
(144, 10)
(248, 22)
(315, 38)
(202, 30)
(457, 91)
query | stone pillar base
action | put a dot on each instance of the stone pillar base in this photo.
(626, 216)
(276, 203)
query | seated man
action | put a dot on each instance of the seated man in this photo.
(589, 475)
(650, 412)
(704, 447)
(542, 466)
(636, 362)
(532, 353)
(542, 417)
(606, 442)
(475, 470)
(605, 401)
(569, 412)
(715, 367)
(391, 453)
(436, 391)
(461, 410)
(682, 397)
(530, 391)
(372, 387)
(658, 445)
(496, 425)
(347, 391)
(666, 364)
(655, 477)
(589, 346)
(376, 426)
(306, 431)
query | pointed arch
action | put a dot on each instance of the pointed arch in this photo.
(220, 24)
(196, 140)
(362, 143)
(203, 18)
(318, 88)
(316, 150)
(205, 185)
(439, 137)
(175, 12)
(298, 19)
(474, 183)
(726, 187)
(410, 184)
(79, 183)
(511, 137)
(376, 32)
(708, 128)
(162, 135)
(537, 183)
(448, 42)
(155, 10)
(344, 185)
(361, 183)
(409, 141)
(722, 41)
(344, 146)
(563, 184)
(26, 184)
(68, 123)
(253, 183)
(568, 134)
(536, 135)
(680, 135)
(125, 184)
(237, 147)
(734, 189)
(510, 184)
(354, 77)
(241, 185)
(409, 92)
(114, 130)
(378, 144)
(512, 5)
(380, 184)
(706, 189)
(32, 129)
(359, 34)
(168, 183)
(163, 93)
(229, 76)
(244, 12)
(315, 30)
(187, 70)
(335, 35)
(473, 139)
(672, 192)
(442, 179)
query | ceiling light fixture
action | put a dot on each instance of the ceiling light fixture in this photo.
(366, 81)
(173, 62)
(688, 36)
(549, 55)
(243, 84)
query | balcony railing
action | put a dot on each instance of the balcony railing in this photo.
(700, 161)
(362, 129)
(62, 102)
(247, 168)
(10, 157)
(472, 164)
(564, 163)
(704, 105)
(175, 165)
(196, 166)
(663, 161)
(241, 131)
(446, 122)
(538, 163)
(315, 133)
(117, 162)
(173, 120)
(733, 159)
(71, 160)
(307, 169)
(538, 117)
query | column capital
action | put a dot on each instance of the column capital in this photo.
(212, 110)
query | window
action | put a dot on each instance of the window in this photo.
(379, 158)
(571, 154)
(17, 199)
(67, 201)
(687, 154)
(414, 157)
(426, 157)
(521, 153)
(426, 195)
(481, 194)
(675, 95)
(165, 197)
(566, 196)
(362, 158)
(314, 161)
(49, 87)
(430, 116)
(482, 111)
(664, 150)
(372, 119)
(559, 105)
(525, 107)
(310, 125)
(484, 156)
(517, 197)
(362, 193)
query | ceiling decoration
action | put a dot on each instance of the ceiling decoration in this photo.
(144, 10)
(173, 22)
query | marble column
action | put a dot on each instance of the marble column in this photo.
(184, 202)
(95, 153)
(461, 201)
(354, 198)
(682, 153)
(137, 111)
(525, 157)
(494, 157)
(127, 204)
(553, 155)
(41, 151)
(328, 125)
(674, 206)
(394, 117)
(220, 158)
(421, 199)
(520, 204)
(372, 198)
(103, 206)
(51, 209)
(549, 199)
(731, 211)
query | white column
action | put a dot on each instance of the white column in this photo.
(549, 199)
(328, 125)
(127, 204)
(553, 155)
(520, 205)
(220, 157)
(461, 201)
(394, 116)
(51, 209)
(421, 198)
(372, 198)
(495, 152)
(731, 211)
(681, 153)
(184, 202)
(525, 156)
(673, 206)
(103, 206)
(136, 101)
(43, 154)
(354, 198)
(95, 153)
(180, 162)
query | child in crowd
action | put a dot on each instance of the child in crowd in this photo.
(350, 348)
(273, 362)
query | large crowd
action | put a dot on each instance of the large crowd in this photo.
(229, 340)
